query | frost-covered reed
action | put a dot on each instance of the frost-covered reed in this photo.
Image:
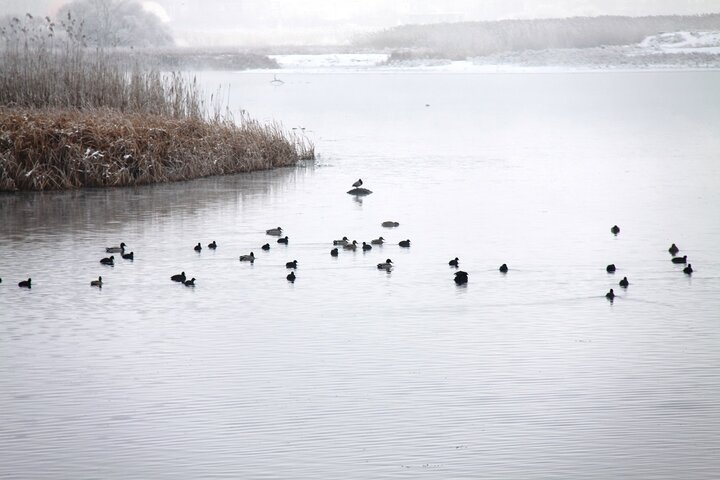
(72, 117)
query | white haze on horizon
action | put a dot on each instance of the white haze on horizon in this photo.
(257, 22)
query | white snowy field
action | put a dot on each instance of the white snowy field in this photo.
(682, 42)
(674, 50)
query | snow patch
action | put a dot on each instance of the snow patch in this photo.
(682, 42)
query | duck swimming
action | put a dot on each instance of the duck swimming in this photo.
(266, 246)
(212, 246)
(461, 277)
(291, 277)
(128, 256)
(248, 258)
(189, 283)
(673, 249)
(344, 241)
(387, 266)
(688, 270)
(108, 260)
(404, 243)
(366, 247)
(274, 231)
(455, 262)
(624, 282)
(615, 229)
(26, 283)
(198, 247)
(377, 241)
(610, 268)
(682, 259)
(503, 268)
(96, 283)
(334, 252)
(283, 240)
(610, 295)
(390, 224)
(292, 264)
(119, 249)
(350, 246)
(178, 278)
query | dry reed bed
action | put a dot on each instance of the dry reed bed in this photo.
(54, 149)
(72, 116)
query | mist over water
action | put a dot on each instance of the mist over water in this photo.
(351, 372)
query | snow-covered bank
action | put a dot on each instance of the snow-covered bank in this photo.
(682, 42)
(666, 51)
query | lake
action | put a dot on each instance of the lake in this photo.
(352, 372)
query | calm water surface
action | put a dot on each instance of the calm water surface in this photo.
(354, 373)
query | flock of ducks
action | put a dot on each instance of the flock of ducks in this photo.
(624, 283)
(460, 277)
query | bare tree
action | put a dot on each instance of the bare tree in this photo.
(118, 23)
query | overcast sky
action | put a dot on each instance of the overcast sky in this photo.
(278, 21)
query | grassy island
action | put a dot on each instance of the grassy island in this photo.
(73, 117)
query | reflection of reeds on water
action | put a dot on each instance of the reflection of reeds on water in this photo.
(73, 118)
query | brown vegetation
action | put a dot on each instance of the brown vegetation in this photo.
(51, 149)
(72, 117)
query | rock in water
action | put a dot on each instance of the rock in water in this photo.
(359, 191)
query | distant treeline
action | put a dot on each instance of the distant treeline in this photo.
(180, 58)
(470, 39)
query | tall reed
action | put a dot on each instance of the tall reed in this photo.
(72, 117)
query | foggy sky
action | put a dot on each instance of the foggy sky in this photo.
(330, 21)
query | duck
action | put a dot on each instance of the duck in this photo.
(108, 260)
(673, 249)
(358, 184)
(404, 243)
(212, 246)
(610, 295)
(455, 262)
(266, 247)
(461, 277)
(178, 278)
(198, 247)
(334, 252)
(682, 259)
(344, 241)
(274, 231)
(292, 264)
(291, 277)
(610, 268)
(377, 241)
(624, 282)
(96, 283)
(248, 258)
(351, 246)
(615, 229)
(503, 268)
(283, 240)
(390, 224)
(366, 247)
(26, 283)
(189, 283)
(387, 266)
(688, 270)
(128, 256)
(119, 249)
